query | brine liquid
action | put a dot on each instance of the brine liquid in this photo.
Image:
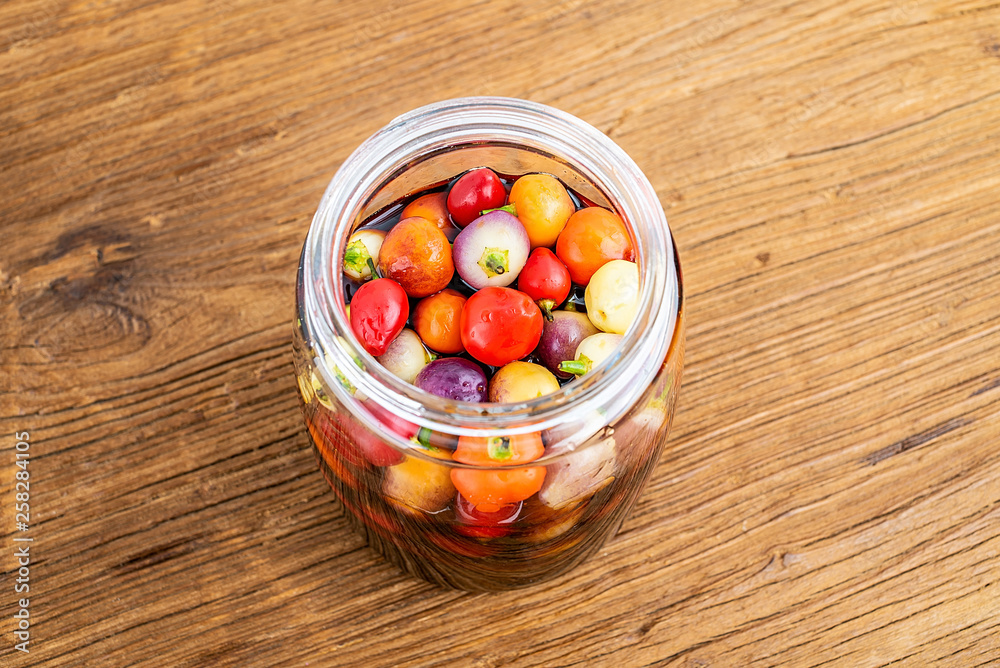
(411, 514)
(386, 218)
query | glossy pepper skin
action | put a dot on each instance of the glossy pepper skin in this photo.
(511, 482)
(474, 192)
(545, 279)
(417, 255)
(433, 207)
(593, 237)
(500, 325)
(379, 311)
(436, 321)
(478, 523)
(543, 206)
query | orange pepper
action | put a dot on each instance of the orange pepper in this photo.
(431, 207)
(592, 237)
(488, 491)
(437, 321)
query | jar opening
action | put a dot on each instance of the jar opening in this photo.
(417, 150)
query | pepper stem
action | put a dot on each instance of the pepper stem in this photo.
(494, 261)
(578, 367)
(356, 257)
(547, 305)
(510, 208)
(498, 448)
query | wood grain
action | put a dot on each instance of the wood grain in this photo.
(830, 495)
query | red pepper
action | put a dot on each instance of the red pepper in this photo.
(379, 311)
(474, 192)
(374, 449)
(545, 279)
(480, 524)
(500, 325)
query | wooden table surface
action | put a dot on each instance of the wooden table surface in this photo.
(830, 494)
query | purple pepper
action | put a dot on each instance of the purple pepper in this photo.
(453, 378)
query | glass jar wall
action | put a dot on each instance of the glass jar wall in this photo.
(386, 447)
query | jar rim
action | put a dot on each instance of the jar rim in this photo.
(594, 399)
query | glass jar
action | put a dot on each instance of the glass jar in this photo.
(385, 446)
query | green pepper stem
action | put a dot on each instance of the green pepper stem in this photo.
(356, 257)
(498, 448)
(374, 270)
(578, 366)
(510, 208)
(494, 261)
(547, 305)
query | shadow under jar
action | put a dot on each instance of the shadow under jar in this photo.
(603, 433)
